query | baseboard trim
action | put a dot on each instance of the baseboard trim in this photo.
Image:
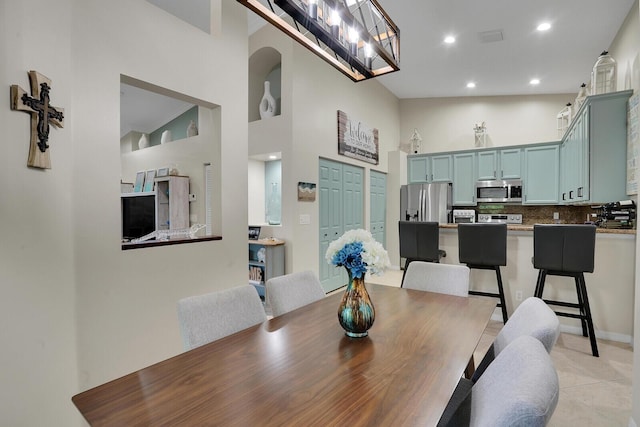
(577, 330)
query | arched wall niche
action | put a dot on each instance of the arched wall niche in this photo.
(264, 65)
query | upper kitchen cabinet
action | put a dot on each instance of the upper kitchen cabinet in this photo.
(594, 151)
(541, 174)
(499, 164)
(464, 182)
(430, 168)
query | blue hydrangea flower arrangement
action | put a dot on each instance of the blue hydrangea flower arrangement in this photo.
(359, 253)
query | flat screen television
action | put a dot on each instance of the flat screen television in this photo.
(138, 216)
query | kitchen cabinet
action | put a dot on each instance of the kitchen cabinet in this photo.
(594, 151)
(487, 165)
(266, 260)
(499, 164)
(541, 174)
(511, 163)
(464, 182)
(430, 168)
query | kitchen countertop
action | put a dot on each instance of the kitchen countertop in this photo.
(523, 227)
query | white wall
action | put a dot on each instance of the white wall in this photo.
(312, 93)
(127, 299)
(38, 372)
(446, 124)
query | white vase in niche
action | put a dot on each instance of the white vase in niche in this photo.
(192, 129)
(166, 137)
(267, 103)
(143, 142)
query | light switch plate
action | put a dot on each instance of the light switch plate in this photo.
(305, 219)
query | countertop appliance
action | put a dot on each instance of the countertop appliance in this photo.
(620, 214)
(464, 216)
(500, 218)
(499, 191)
(426, 202)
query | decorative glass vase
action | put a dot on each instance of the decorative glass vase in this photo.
(274, 207)
(356, 312)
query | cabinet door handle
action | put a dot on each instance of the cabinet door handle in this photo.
(580, 191)
(564, 196)
(494, 174)
(571, 194)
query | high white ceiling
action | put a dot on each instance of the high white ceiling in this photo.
(562, 58)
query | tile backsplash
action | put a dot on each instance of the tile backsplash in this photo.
(537, 214)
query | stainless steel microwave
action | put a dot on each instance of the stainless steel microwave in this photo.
(499, 191)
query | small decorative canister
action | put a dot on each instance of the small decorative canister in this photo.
(192, 129)
(603, 77)
(166, 137)
(143, 142)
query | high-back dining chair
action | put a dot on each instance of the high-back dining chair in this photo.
(435, 277)
(532, 318)
(520, 388)
(292, 291)
(209, 317)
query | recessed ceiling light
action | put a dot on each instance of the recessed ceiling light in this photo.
(545, 26)
(534, 82)
(449, 39)
(471, 85)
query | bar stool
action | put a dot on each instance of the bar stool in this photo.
(567, 250)
(484, 247)
(419, 241)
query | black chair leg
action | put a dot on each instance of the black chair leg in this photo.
(542, 275)
(503, 304)
(587, 311)
(583, 314)
(406, 264)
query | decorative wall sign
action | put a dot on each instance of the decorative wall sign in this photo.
(42, 114)
(357, 140)
(306, 192)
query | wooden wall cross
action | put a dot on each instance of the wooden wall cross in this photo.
(42, 114)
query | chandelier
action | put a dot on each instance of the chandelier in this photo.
(357, 37)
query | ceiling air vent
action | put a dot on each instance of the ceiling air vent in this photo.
(490, 36)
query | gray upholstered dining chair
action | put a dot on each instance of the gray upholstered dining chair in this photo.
(533, 318)
(292, 291)
(520, 388)
(209, 317)
(435, 277)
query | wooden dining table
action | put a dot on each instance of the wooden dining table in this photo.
(300, 369)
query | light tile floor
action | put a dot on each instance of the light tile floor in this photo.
(594, 391)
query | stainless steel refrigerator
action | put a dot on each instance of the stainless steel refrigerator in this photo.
(426, 202)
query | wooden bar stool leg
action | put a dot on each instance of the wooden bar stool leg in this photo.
(587, 310)
(501, 293)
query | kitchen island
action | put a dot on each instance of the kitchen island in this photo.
(610, 286)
